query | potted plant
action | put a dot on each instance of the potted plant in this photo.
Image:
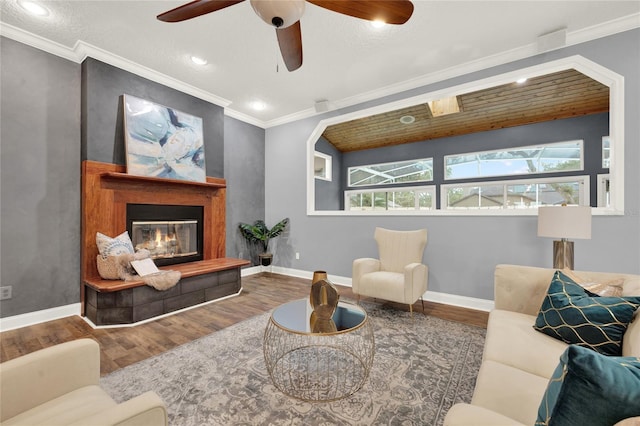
(258, 233)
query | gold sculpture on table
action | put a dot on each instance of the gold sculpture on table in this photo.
(324, 301)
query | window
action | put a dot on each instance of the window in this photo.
(420, 170)
(322, 166)
(561, 156)
(407, 198)
(604, 195)
(516, 194)
(606, 152)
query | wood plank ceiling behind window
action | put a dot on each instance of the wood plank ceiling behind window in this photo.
(550, 97)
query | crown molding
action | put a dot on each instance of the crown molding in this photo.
(576, 37)
(82, 50)
(244, 117)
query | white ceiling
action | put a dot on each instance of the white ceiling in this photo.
(346, 60)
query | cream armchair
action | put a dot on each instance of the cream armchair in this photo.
(399, 275)
(60, 386)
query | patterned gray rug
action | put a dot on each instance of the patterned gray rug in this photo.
(421, 367)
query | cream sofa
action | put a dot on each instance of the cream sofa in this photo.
(59, 386)
(518, 360)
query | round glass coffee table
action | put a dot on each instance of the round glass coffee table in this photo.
(320, 366)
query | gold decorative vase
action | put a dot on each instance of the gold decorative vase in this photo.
(318, 275)
(324, 301)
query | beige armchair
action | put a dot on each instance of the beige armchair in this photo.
(399, 275)
(60, 386)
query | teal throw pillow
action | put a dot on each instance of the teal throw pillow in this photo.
(576, 316)
(590, 389)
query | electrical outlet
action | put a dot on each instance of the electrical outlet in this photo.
(240, 255)
(5, 292)
(297, 256)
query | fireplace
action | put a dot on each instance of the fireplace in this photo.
(172, 233)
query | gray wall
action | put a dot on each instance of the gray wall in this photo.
(56, 113)
(329, 195)
(462, 251)
(244, 171)
(40, 179)
(102, 114)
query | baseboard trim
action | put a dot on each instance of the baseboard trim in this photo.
(461, 301)
(37, 317)
(431, 296)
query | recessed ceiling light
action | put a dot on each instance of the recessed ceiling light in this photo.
(378, 23)
(258, 105)
(407, 119)
(33, 8)
(521, 80)
(198, 60)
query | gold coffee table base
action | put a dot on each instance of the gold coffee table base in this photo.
(319, 367)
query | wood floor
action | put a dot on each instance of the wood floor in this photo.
(123, 346)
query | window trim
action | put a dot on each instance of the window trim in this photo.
(608, 150)
(351, 185)
(542, 145)
(430, 189)
(604, 75)
(583, 181)
(328, 164)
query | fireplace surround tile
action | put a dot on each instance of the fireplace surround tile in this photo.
(143, 302)
(201, 282)
(145, 294)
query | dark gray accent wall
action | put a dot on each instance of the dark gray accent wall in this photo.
(102, 114)
(244, 171)
(329, 195)
(462, 251)
(56, 113)
(589, 128)
(40, 179)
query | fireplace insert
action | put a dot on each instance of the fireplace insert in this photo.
(172, 233)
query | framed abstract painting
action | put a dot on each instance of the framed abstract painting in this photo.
(162, 142)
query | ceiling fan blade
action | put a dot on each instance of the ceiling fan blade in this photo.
(290, 41)
(194, 9)
(389, 11)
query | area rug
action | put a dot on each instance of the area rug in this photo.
(422, 366)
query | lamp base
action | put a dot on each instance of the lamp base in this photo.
(563, 254)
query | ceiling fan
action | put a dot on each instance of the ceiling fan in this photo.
(285, 16)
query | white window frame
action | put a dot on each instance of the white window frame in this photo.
(429, 189)
(604, 196)
(416, 160)
(328, 161)
(606, 162)
(580, 142)
(583, 194)
(604, 75)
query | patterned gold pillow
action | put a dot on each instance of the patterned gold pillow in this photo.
(572, 314)
(610, 288)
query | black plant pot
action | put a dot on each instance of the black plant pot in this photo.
(265, 259)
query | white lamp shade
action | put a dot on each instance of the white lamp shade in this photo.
(564, 222)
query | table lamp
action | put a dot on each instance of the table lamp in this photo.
(564, 222)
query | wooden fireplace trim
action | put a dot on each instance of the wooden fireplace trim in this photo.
(106, 191)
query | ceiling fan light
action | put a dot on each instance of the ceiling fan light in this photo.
(378, 23)
(279, 13)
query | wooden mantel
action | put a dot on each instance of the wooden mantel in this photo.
(107, 189)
